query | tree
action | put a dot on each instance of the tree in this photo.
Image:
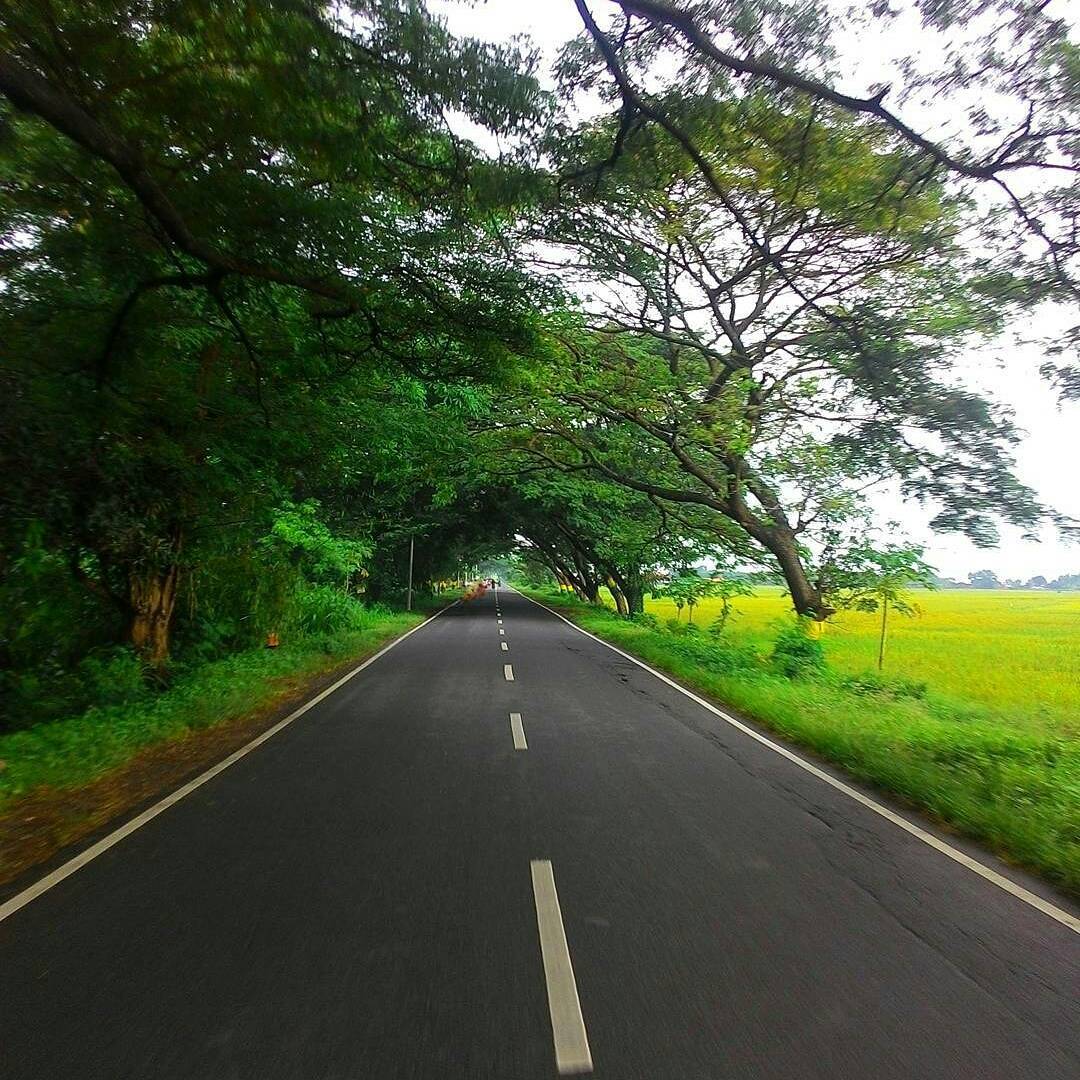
(727, 587)
(242, 257)
(687, 589)
(872, 579)
(677, 590)
(1065, 583)
(178, 107)
(1011, 75)
(984, 579)
(703, 372)
(592, 533)
(266, 317)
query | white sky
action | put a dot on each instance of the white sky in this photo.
(1048, 459)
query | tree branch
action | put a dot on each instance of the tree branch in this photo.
(664, 14)
(30, 92)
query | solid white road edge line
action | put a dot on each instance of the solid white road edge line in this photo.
(984, 871)
(518, 732)
(32, 892)
(567, 1024)
(508, 672)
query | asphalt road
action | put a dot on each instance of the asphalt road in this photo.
(391, 888)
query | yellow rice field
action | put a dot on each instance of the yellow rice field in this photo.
(1016, 651)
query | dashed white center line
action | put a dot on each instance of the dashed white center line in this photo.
(508, 672)
(567, 1024)
(518, 732)
(500, 622)
(501, 631)
(505, 647)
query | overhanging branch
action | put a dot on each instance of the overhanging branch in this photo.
(32, 93)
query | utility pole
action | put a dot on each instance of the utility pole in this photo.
(408, 601)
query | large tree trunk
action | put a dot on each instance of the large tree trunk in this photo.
(590, 587)
(634, 587)
(806, 597)
(629, 591)
(152, 596)
(621, 606)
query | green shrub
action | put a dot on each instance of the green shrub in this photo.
(207, 638)
(115, 677)
(796, 654)
(873, 684)
(324, 609)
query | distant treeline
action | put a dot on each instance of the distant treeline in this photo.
(987, 579)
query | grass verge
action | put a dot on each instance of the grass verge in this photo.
(1016, 791)
(67, 753)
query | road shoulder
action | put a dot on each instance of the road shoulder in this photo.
(43, 828)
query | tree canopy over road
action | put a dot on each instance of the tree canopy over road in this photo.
(267, 313)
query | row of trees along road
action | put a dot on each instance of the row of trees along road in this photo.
(266, 315)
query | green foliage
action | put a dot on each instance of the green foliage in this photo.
(711, 655)
(685, 589)
(114, 677)
(871, 578)
(216, 397)
(73, 751)
(726, 587)
(51, 630)
(322, 609)
(867, 576)
(299, 535)
(796, 653)
(764, 390)
(869, 684)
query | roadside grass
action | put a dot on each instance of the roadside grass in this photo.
(73, 751)
(1016, 652)
(1010, 785)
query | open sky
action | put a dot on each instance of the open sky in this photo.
(1048, 458)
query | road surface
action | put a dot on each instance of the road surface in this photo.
(473, 861)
